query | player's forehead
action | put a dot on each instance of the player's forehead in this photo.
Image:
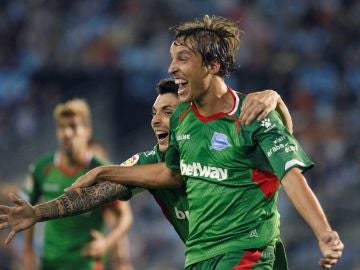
(182, 46)
(164, 101)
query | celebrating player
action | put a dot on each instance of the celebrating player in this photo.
(172, 201)
(232, 172)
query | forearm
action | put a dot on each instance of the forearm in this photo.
(124, 219)
(305, 201)
(28, 238)
(81, 200)
(147, 176)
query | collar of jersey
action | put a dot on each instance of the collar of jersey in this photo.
(220, 114)
(67, 170)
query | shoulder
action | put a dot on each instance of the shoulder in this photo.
(146, 157)
(97, 161)
(181, 109)
(42, 165)
(43, 161)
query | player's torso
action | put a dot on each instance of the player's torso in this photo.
(225, 202)
(65, 237)
(172, 201)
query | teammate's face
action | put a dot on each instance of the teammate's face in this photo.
(189, 73)
(163, 108)
(73, 135)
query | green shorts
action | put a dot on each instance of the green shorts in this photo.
(272, 257)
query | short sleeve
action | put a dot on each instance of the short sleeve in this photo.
(281, 149)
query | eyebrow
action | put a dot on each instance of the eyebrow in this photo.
(163, 107)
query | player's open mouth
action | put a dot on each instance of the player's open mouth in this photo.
(182, 83)
(162, 136)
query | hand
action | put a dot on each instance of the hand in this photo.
(331, 248)
(258, 104)
(97, 247)
(18, 218)
(85, 180)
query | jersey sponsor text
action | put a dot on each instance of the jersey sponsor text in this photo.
(196, 169)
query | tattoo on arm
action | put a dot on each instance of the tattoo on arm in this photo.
(83, 200)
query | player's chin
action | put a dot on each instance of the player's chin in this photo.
(163, 144)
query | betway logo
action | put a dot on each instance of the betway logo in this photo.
(196, 169)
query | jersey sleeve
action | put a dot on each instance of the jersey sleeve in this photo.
(281, 149)
(147, 157)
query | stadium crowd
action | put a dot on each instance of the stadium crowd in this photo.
(113, 52)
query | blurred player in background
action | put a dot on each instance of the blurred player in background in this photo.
(172, 201)
(119, 258)
(76, 242)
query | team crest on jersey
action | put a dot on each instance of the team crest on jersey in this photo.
(219, 141)
(131, 161)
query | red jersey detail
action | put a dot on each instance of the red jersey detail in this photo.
(249, 258)
(163, 208)
(237, 123)
(110, 205)
(47, 169)
(267, 181)
(182, 115)
(98, 265)
(216, 115)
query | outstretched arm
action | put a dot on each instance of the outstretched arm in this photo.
(306, 203)
(155, 175)
(260, 104)
(71, 203)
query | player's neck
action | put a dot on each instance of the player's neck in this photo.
(74, 159)
(216, 100)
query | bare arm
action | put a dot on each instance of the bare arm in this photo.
(306, 203)
(148, 176)
(81, 200)
(29, 255)
(71, 203)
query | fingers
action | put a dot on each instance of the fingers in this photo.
(10, 237)
(327, 263)
(4, 209)
(96, 234)
(249, 113)
(15, 199)
(258, 105)
(85, 180)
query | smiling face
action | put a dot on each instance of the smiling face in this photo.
(189, 73)
(163, 108)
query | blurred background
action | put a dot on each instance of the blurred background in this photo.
(114, 52)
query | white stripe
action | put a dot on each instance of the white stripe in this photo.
(293, 162)
(236, 102)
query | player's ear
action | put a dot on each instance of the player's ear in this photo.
(214, 67)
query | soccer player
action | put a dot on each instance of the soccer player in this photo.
(76, 242)
(172, 201)
(232, 172)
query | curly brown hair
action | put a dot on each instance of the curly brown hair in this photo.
(215, 38)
